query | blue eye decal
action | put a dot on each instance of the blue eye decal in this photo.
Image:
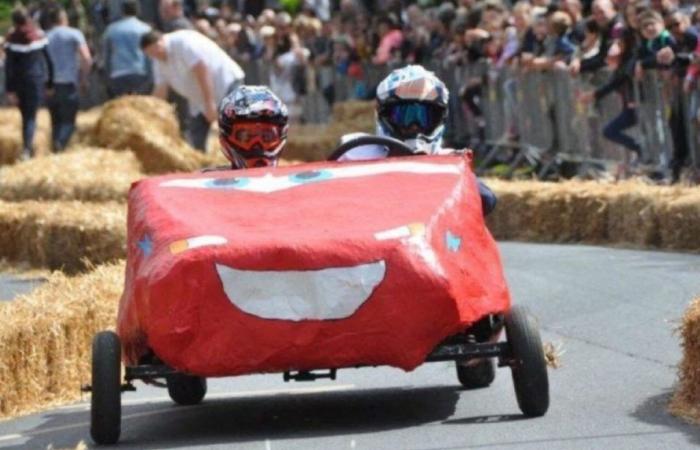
(227, 183)
(310, 176)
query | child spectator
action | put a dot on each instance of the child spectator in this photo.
(559, 28)
(658, 49)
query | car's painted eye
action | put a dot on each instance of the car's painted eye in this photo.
(228, 183)
(310, 176)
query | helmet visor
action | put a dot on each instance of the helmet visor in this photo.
(411, 119)
(248, 137)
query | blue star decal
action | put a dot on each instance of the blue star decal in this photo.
(146, 245)
(452, 242)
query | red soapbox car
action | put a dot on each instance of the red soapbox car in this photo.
(304, 270)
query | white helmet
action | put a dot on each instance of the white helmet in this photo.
(412, 107)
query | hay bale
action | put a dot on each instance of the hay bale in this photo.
(315, 142)
(514, 212)
(570, 212)
(678, 222)
(633, 218)
(88, 174)
(11, 135)
(148, 127)
(140, 112)
(45, 348)
(160, 153)
(629, 213)
(85, 126)
(686, 400)
(353, 110)
(65, 235)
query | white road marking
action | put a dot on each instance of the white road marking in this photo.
(268, 446)
(353, 444)
(11, 437)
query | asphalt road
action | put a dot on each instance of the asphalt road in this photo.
(613, 311)
(12, 286)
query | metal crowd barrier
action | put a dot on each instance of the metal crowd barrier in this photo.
(536, 118)
(522, 118)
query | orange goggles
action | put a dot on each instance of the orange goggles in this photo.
(245, 136)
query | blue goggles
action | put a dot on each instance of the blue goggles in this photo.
(411, 119)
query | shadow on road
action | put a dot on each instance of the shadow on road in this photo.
(654, 411)
(283, 416)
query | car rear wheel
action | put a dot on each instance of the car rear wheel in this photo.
(476, 376)
(528, 365)
(186, 389)
(105, 403)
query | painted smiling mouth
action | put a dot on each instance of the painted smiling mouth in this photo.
(326, 294)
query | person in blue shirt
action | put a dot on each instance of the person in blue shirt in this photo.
(70, 56)
(125, 64)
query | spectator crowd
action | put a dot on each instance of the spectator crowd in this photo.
(302, 46)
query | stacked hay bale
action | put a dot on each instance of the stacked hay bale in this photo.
(85, 127)
(317, 142)
(686, 400)
(148, 127)
(45, 348)
(84, 173)
(62, 235)
(11, 135)
(630, 213)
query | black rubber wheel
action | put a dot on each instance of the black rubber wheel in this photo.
(528, 365)
(106, 401)
(478, 376)
(186, 389)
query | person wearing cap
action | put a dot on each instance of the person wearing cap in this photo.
(195, 67)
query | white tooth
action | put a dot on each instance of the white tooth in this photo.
(325, 294)
(187, 182)
(394, 233)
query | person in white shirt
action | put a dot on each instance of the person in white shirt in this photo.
(198, 69)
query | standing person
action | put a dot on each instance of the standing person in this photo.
(287, 78)
(172, 13)
(687, 41)
(125, 64)
(2, 71)
(28, 72)
(196, 68)
(173, 18)
(610, 26)
(70, 56)
(390, 39)
(621, 82)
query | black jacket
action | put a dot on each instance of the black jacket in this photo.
(27, 59)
